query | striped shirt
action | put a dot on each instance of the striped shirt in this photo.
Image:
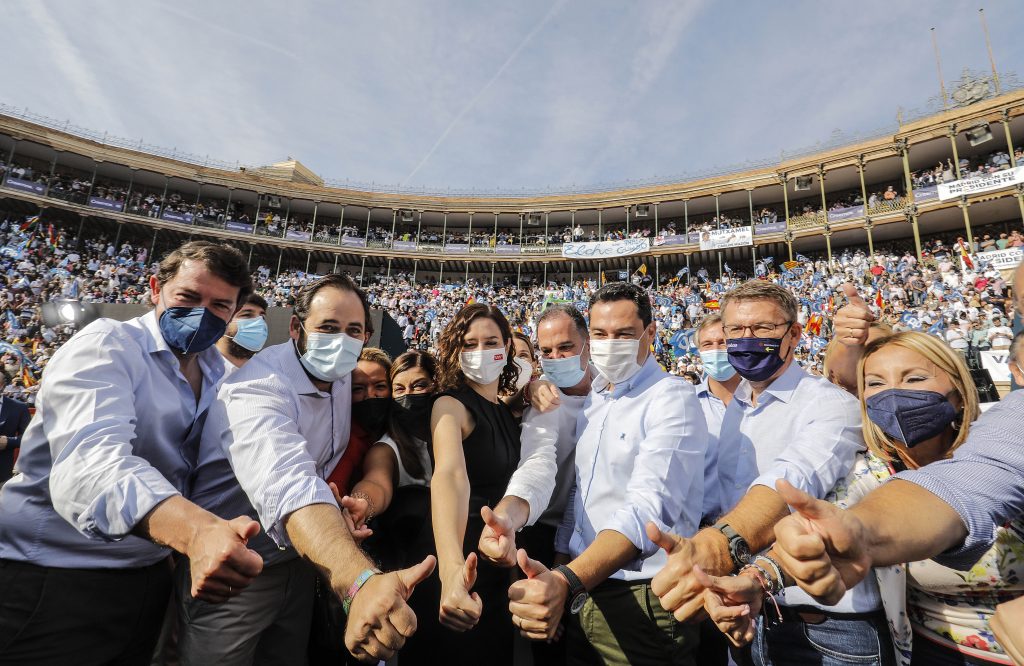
(271, 440)
(983, 481)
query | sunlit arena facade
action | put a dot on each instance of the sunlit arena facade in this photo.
(934, 175)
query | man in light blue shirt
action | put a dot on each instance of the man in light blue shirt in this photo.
(639, 459)
(715, 392)
(86, 522)
(782, 423)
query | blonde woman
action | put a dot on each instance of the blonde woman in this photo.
(917, 400)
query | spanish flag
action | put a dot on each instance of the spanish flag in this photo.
(879, 301)
(471, 300)
(711, 305)
(642, 270)
(814, 324)
(965, 257)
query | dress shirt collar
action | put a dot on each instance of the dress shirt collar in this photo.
(781, 388)
(704, 388)
(296, 374)
(154, 343)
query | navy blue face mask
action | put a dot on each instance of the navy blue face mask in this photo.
(910, 416)
(755, 359)
(191, 330)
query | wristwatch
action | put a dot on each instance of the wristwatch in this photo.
(577, 593)
(739, 550)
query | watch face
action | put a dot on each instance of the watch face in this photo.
(742, 552)
(577, 603)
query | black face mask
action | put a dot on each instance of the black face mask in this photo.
(412, 411)
(372, 413)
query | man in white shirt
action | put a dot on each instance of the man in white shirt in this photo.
(99, 500)
(781, 424)
(278, 428)
(1000, 336)
(639, 459)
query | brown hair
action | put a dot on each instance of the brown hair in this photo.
(403, 438)
(759, 290)
(221, 259)
(378, 356)
(710, 320)
(947, 360)
(523, 337)
(449, 348)
(304, 298)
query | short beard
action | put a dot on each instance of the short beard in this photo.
(238, 351)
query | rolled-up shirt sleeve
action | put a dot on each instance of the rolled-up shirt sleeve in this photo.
(983, 481)
(260, 435)
(97, 483)
(669, 462)
(534, 479)
(824, 448)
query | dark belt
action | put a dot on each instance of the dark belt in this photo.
(813, 615)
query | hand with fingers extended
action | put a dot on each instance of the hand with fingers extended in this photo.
(538, 601)
(220, 562)
(732, 603)
(544, 396)
(354, 512)
(460, 606)
(498, 540)
(820, 545)
(676, 587)
(379, 619)
(852, 321)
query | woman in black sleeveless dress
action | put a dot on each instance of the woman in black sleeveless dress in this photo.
(476, 450)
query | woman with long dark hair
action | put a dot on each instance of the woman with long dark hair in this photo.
(476, 450)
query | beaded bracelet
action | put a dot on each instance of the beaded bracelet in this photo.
(760, 575)
(357, 585)
(371, 510)
(777, 570)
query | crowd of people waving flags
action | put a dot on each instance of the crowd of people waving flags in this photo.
(527, 483)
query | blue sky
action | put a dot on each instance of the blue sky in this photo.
(492, 95)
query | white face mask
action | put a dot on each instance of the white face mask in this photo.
(615, 359)
(483, 366)
(330, 356)
(525, 372)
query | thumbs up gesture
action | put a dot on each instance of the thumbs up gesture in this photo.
(538, 601)
(498, 540)
(460, 606)
(852, 321)
(380, 620)
(677, 588)
(823, 547)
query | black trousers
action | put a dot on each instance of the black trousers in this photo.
(80, 616)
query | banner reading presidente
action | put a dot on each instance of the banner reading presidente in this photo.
(986, 183)
(717, 239)
(604, 249)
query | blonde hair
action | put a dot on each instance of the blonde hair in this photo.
(378, 356)
(942, 356)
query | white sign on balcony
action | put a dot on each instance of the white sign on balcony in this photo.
(978, 184)
(605, 249)
(717, 239)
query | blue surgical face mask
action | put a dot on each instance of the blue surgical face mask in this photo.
(910, 416)
(251, 334)
(716, 364)
(330, 356)
(564, 372)
(190, 330)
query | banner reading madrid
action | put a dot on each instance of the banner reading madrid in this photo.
(605, 249)
(986, 183)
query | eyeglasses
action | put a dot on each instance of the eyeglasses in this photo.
(763, 329)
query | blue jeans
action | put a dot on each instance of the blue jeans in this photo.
(833, 642)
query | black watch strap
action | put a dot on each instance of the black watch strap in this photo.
(739, 550)
(577, 592)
